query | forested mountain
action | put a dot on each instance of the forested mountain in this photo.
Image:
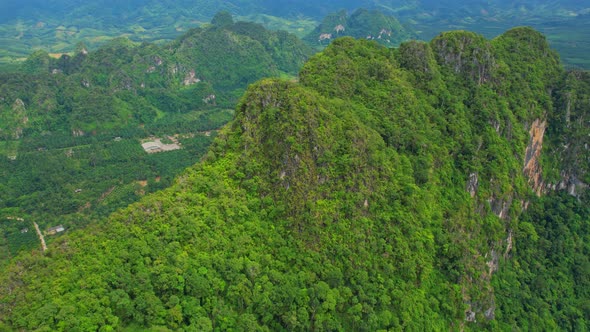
(362, 23)
(71, 129)
(564, 22)
(204, 61)
(57, 26)
(420, 188)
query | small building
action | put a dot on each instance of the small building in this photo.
(56, 229)
(156, 145)
(152, 146)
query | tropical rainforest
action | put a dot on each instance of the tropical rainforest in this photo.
(436, 185)
(71, 128)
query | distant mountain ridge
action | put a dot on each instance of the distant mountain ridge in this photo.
(362, 23)
(57, 26)
(213, 60)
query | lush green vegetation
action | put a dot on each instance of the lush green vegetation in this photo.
(383, 191)
(72, 185)
(58, 26)
(16, 236)
(362, 23)
(564, 22)
(71, 128)
(545, 285)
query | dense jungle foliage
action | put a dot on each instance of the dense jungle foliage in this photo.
(388, 189)
(71, 128)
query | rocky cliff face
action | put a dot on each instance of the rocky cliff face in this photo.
(568, 131)
(14, 120)
(467, 53)
(532, 161)
(20, 116)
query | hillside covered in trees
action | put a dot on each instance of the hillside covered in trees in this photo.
(420, 188)
(362, 23)
(57, 26)
(72, 128)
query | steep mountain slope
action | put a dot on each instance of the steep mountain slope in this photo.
(545, 283)
(383, 191)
